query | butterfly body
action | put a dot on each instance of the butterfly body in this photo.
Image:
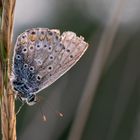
(40, 57)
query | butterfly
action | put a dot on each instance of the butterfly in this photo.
(40, 57)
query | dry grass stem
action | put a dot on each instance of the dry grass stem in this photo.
(101, 57)
(8, 117)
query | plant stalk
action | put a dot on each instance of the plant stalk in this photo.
(8, 117)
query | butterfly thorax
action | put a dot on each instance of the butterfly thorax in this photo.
(24, 92)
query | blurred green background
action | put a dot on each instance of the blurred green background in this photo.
(115, 110)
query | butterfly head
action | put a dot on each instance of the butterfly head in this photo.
(29, 100)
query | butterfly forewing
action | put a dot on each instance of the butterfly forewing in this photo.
(41, 56)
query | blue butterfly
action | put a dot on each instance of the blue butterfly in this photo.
(40, 57)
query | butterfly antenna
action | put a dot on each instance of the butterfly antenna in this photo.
(20, 108)
(60, 114)
(42, 114)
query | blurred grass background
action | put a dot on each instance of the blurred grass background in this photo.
(114, 114)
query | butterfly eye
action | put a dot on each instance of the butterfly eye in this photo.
(24, 50)
(38, 77)
(31, 68)
(50, 68)
(25, 65)
(18, 57)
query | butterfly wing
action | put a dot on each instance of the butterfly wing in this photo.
(41, 56)
(72, 48)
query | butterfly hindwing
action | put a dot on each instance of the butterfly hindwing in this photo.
(73, 48)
